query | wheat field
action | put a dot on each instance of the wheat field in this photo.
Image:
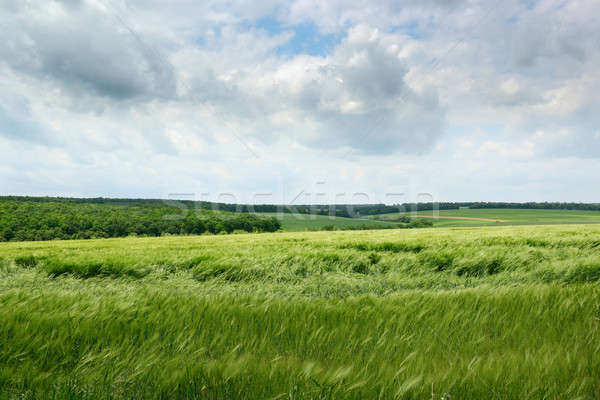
(494, 312)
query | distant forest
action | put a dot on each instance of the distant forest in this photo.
(45, 218)
(27, 218)
(358, 210)
(375, 209)
(341, 210)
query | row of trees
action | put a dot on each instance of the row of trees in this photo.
(27, 220)
(340, 210)
(401, 223)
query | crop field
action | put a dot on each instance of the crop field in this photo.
(501, 216)
(448, 313)
(301, 222)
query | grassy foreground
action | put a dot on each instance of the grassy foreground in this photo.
(503, 312)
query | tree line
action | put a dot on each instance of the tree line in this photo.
(357, 210)
(45, 220)
(340, 210)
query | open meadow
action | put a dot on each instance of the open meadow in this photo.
(494, 312)
(295, 222)
(498, 216)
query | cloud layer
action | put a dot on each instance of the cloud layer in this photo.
(132, 98)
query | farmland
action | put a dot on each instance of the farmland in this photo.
(491, 312)
(47, 218)
(302, 222)
(478, 217)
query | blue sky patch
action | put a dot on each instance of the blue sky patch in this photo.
(411, 29)
(306, 40)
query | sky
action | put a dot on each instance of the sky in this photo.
(304, 101)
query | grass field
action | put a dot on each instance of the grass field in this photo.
(303, 222)
(509, 216)
(494, 313)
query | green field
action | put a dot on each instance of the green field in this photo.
(495, 312)
(303, 222)
(510, 216)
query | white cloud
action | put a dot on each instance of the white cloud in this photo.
(144, 98)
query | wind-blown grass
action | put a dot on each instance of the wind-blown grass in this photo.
(433, 313)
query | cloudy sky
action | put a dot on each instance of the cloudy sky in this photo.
(306, 101)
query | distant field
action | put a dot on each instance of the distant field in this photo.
(480, 313)
(509, 216)
(303, 222)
